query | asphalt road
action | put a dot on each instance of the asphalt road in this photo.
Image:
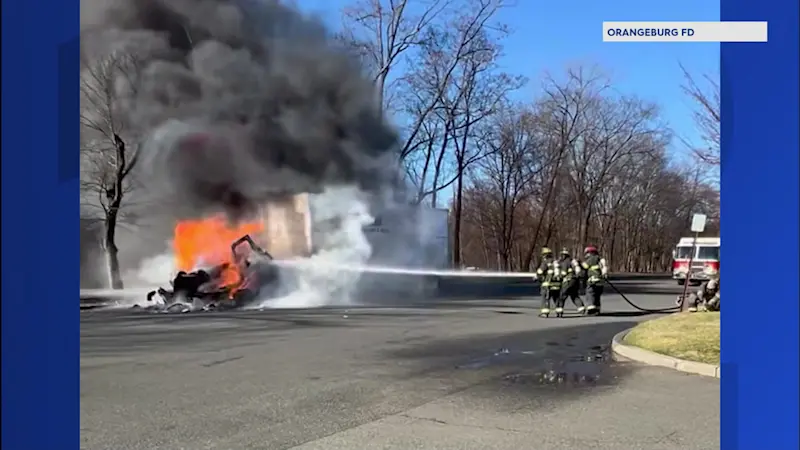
(460, 374)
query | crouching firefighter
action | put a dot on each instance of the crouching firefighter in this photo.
(570, 271)
(550, 281)
(596, 271)
(706, 299)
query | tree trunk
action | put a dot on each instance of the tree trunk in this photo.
(612, 252)
(457, 213)
(484, 242)
(110, 247)
(550, 188)
(587, 221)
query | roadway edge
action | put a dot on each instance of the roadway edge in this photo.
(621, 351)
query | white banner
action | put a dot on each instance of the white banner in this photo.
(684, 31)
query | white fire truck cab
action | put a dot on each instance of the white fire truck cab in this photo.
(702, 253)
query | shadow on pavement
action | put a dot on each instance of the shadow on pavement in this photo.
(577, 338)
(565, 361)
(107, 333)
(477, 288)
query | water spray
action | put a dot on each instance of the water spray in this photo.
(302, 264)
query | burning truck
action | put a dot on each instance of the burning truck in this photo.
(248, 275)
(221, 265)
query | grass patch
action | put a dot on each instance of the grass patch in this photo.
(690, 336)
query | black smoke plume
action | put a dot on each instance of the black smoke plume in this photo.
(238, 102)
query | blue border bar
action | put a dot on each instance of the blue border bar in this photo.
(40, 323)
(760, 230)
(40, 228)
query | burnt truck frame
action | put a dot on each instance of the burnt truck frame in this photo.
(259, 278)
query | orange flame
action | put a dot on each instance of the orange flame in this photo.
(207, 243)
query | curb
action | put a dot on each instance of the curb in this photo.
(622, 351)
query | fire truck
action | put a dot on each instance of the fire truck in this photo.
(696, 260)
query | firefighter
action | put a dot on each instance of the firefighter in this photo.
(550, 281)
(706, 299)
(596, 271)
(570, 270)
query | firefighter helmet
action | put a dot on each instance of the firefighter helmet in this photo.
(546, 251)
(590, 249)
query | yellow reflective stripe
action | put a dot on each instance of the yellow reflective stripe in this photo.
(549, 270)
(585, 266)
(595, 267)
(540, 271)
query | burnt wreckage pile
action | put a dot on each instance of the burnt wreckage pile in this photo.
(258, 277)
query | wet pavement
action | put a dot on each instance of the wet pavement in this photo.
(472, 374)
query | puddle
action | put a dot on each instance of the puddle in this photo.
(587, 369)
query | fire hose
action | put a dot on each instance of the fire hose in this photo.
(671, 309)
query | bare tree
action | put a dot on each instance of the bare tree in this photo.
(614, 130)
(382, 31)
(504, 179)
(413, 49)
(425, 155)
(480, 92)
(600, 174)
(454, 86)
(707, 115)
(109, 150)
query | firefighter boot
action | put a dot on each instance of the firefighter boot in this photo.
(559, 312)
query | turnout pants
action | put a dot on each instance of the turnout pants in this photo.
(570, 289)
(594, 291)
(550, 295)
(713, 304)
(694, 301)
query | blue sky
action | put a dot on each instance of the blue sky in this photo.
(553, 35)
